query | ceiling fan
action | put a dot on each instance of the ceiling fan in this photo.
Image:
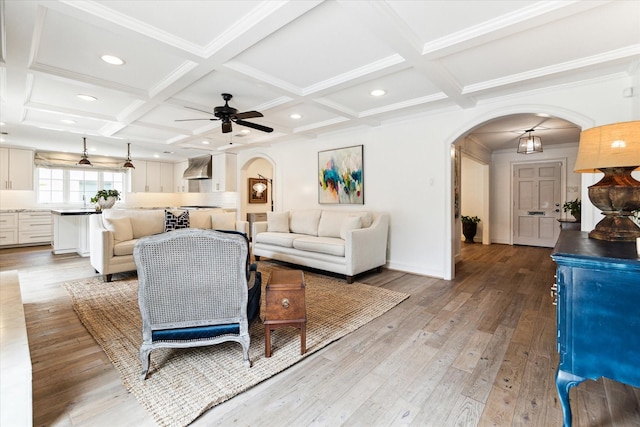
(229, 114)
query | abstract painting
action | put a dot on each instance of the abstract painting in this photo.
(340, 176)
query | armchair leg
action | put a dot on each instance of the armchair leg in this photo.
(145, 358)
(108, 277)
(257, 257)
(349, 279)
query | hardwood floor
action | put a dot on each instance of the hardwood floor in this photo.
(475, 351)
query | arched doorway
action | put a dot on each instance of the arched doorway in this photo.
(254, 168)
(497, 210)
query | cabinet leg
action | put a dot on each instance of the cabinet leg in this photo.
(267, 341)
(564, 381)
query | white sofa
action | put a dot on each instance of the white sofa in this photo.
(114, 233)
(343, 242)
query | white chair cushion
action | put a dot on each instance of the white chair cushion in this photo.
(305, 221)
(278, 222)
(323, 245)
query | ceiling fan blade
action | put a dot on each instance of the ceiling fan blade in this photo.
(254, 126)
(190, 120)
(248, 115)
(202, 111)
(226, 127)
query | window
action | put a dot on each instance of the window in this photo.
(76, 186)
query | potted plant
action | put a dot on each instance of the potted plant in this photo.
(469, 227)
(573, 207)
(105, 199)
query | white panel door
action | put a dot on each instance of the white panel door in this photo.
(536, 198)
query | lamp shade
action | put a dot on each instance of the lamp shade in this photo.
(613, 145)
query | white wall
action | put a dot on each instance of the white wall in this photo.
(407, 166)
(472, 201)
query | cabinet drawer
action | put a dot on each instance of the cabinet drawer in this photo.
(8, 221)
(34, 237)
(35, 216)
(8, 237)
(36, 227)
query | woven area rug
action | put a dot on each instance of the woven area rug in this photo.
(184, 383)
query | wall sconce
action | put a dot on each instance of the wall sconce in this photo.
(614, 150)
(260, 187)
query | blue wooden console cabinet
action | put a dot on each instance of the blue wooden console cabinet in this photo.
(598, 312)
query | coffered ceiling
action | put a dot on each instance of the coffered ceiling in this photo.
(318, 59)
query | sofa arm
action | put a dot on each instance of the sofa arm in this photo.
(366, 248)
(243, 227)
(258, 227)
(100, 243)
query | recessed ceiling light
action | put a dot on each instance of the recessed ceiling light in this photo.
(68, 121)
(296, 116)
(245, 131)
(205, 142)
(113, 60)
(2, 124)
(156, 155)
(378, 92)
(87, 97)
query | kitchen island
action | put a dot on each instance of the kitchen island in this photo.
(71, 230)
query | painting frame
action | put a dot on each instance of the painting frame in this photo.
(254, 197)
(341, 176)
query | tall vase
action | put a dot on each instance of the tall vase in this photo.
(469, 229)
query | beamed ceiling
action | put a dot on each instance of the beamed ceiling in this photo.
(318, 59)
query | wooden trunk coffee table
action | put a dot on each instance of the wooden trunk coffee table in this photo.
(285, 306)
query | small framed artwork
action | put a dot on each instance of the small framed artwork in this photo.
(340, 178)
(256, 196)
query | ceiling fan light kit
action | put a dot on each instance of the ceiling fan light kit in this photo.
(530, 144)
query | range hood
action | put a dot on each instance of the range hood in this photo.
(199, 168)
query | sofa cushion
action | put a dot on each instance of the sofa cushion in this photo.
(278, 222)
(120, 227)
(223, 221)
(173, 222)
(124, 248)
(305, 221)
(324, 245)
(348, 224)
(278, 239)
(199, 219)
(144, 222)
(331, 222)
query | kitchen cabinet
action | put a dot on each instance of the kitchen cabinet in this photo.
(16, 169)
(8, 228)
(181, 185)
(152, 177)
(71, 231)
(34, 227)
(224, 171)
(597, 317)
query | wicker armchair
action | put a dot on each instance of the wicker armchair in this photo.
(195, 289)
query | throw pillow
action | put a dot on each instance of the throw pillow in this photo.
(223, 221)
(121, 228)
(305, 221)
(278, 221)
(173, 222)
(350, 223)
(331, 222)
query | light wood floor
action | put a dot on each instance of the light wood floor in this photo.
(476, 351)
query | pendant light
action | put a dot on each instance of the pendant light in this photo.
(530, 144)
(128, 163)
(85, 159)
